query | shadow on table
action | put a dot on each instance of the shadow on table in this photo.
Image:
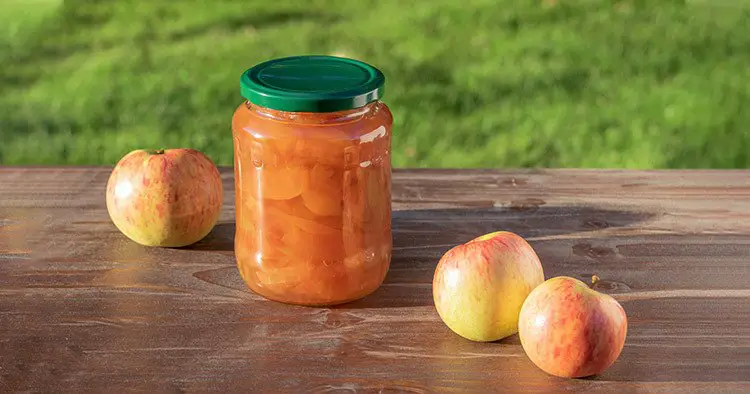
(420, 237)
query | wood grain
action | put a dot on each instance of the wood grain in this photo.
(84, 309)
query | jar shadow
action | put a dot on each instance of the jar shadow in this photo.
(422, 236)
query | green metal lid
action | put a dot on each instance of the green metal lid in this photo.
(312, 84)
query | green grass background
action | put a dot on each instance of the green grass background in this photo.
(472, 83)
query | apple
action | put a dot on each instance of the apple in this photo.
(570, 330)
(168, 198)
(480, 286)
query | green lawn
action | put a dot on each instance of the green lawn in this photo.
(472, 83)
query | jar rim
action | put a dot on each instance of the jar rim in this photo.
(312, 118)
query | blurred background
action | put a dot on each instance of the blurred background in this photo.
(472, 83)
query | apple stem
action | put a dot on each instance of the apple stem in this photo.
(594, 279)
(157, 152)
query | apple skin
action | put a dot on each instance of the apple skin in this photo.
(570, 330)
(167, 198)
(480, 286)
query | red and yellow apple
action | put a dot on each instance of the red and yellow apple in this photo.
(570, 330)
(168, 198)
(480, 286)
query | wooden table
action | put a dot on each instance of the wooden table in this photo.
(84, 309)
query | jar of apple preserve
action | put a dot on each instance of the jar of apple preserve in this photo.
(312, 169)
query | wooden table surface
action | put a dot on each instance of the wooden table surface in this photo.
(84, 309)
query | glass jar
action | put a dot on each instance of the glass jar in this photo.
(312, 168)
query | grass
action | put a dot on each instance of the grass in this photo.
(472, 83)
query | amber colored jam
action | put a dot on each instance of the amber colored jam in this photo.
(313, 200)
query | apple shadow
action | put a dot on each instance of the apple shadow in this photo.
(672, 363)
(421, 237)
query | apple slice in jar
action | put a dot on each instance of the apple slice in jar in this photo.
(270, 236)
(362, 232)
(326, 148)
(304, 282)
(284, 146)
(353, 211)
(281, 279)
(244, 239)
(245, 234)
(376, 214)
(281, 183)
(323, 192)
(356, 275)
(324, 247)
(326, 284)
(295, 212)
(269, 176)
(248, 195)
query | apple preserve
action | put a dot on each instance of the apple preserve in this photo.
(313, 180)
